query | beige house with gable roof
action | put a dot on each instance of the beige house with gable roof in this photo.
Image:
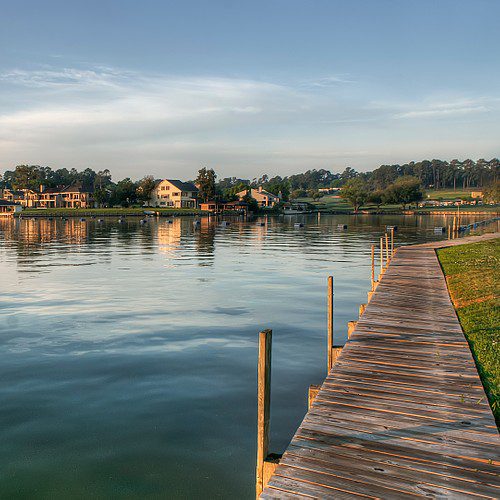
(264, 198)
(174, 193)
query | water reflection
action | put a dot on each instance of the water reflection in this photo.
(128, 350)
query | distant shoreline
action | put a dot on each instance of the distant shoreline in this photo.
(166, 212)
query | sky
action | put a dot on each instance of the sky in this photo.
(247, 87)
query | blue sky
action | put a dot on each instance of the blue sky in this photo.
(275, 86)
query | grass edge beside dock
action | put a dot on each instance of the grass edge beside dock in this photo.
(472, 274)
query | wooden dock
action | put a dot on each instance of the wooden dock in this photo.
(402, 413)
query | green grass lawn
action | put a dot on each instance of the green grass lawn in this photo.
(464, 208)
(329, 202)
(333, 203)
(473, 276)
(449, 194)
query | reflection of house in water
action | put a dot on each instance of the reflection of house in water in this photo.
(33, 235)
(205, 240)
(9, 208)
(169, 235)
(179, 233)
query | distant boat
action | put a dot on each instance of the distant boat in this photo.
(294, 208)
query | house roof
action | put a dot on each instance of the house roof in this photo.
(15, 192)
(74, 188)
(256, 191)
(267, 193)
(183, 186)
(223, 202)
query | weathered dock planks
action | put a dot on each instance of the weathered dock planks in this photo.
(402, 413)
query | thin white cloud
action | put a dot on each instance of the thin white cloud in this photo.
(328, 81)
(450, 108)
(138, 123)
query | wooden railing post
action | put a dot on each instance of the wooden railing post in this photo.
(381, 256)
(330, 323)
(362, 308)
(263, 405)
(373, 267)
(351, 325)
(392, 242)
(387, 259)
(313, 392)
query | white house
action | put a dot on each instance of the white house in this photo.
(174, 193)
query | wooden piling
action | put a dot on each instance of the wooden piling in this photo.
(313, 392)
(336, 353)
(392, 242)
(263, 405)
(386, 250)
(351, 325)
(373, 268)
(381, 256)
(330, 323)
(362, 308)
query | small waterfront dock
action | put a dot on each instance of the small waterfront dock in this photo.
(402, 413)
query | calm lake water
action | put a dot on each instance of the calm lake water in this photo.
(128, 352)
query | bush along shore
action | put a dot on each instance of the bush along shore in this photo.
(472, 273)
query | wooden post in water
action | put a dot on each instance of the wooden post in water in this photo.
(373, 268)
(381, 256)
(336, 353)
(362, 308)
(392, 242)
(387, 259)
(330, 324)
(313, 392)
(263, 405)
(351, 325)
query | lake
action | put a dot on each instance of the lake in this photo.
(129, 351)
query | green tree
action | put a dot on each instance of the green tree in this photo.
(145, 188)
(101, 196)
(124, 193)
(28, 177)
(355, 192)
(404, 190)
(206, 184)
(102, 179)
(298, 193)
(492, 194)
(376, 198)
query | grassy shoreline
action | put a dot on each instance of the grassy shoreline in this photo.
(472, 273)
(103, 212)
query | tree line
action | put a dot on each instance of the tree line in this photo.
(376, 185)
